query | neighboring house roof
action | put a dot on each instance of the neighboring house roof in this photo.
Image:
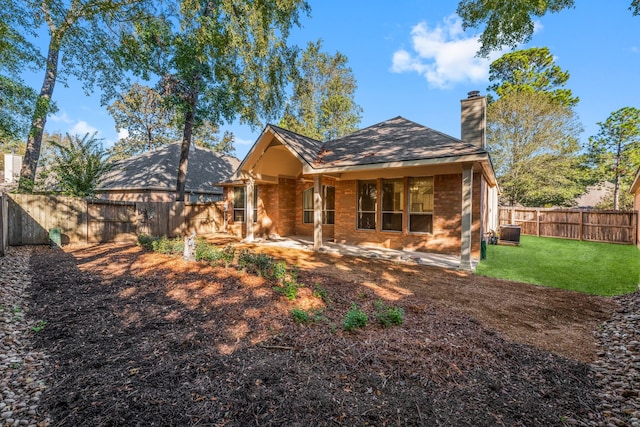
(396, 142)
(594, 195)
(158, 170)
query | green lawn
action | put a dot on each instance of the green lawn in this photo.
(594, 268)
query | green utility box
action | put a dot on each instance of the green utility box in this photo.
(55, 237)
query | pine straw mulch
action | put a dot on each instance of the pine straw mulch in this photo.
(138, 338)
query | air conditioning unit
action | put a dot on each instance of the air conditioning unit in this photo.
(510, 234)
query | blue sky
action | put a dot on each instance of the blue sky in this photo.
(412, 59)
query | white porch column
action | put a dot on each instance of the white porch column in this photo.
(248, 215)
(467, 193)
(317, 212)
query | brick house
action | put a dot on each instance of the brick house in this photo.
(396, 184)
(635, 190)
(152, 176)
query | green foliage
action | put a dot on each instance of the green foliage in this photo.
(148, 121)
(78, 164)
(289, 289)
(530, 70)
(257, 263)
(534, 147)
(507, 23)
(164, 245)
(614, 153)
(279, 271)
(146, 241)
(322, 105)
(216, 62)
(306, 316)
(213, 254)
(39, 326)
(355, 318)
(80, 35)
(594, 268)
(388, 316)
(320, 292)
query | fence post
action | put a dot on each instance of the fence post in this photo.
(537, 222)
(581, 225)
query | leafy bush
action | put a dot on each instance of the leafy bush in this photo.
(146, 241)
(306, 316)
(388, 316)
(355, 318)
(279, 271)
(165, 245)
(260, 263)
(289, 289)
(320, 292)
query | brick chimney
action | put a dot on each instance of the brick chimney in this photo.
(473, 119)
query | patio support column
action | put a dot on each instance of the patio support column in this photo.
(248, 216)
(317, 212)
(467, 193)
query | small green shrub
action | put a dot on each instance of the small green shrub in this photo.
(289, 289)
(355, 318)
(300, 315)
(39, 326)
(228, 253)
(306, 316)
(260, 263)
(146, 241)
(279, 271)
(320, 292)
(388, 316)
(164, 245)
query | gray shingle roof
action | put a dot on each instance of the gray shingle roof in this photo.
(158, 170)
(393, 140)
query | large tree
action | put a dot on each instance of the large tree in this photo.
(534, 146)
(615, 151)
(322, 104)
(530, 70)
(217, 61)
(17, 100)
(147, 120)
(510, 23)
(80, 34)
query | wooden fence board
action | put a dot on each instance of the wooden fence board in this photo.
(578, 224)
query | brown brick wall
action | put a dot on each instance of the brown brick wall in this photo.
(446, 219)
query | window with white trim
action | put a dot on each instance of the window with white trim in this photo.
(392, 204)
(367, 204)
(421, 205)
(239, 203)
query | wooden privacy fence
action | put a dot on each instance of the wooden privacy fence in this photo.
(30, 217)
(578, 224)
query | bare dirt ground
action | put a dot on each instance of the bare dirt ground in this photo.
(138, 338)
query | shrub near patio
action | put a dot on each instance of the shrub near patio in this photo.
(594, 268)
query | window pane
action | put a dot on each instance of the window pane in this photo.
(307, 217)
(367, 221)
(307, 198)
(392, 221)
(392, 195)
(238, 197)
(330, 198)
(329, 217)
(421, 223)
(421, 194)
(238, 215)
(367, 196)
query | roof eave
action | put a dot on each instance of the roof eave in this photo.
(480, 158)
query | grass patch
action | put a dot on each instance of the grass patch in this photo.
(594, 268)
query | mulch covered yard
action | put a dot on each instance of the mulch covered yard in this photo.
(139, 338)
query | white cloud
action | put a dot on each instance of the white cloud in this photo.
(444, 55)
(241, 141)
(123, 133)
(62, 117)
(81, 128)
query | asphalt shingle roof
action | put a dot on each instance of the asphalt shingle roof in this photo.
(158, 169)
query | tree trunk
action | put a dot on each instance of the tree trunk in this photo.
(43, 104)
(616, 186)
(186, 144)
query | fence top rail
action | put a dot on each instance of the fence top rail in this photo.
(576, 210)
